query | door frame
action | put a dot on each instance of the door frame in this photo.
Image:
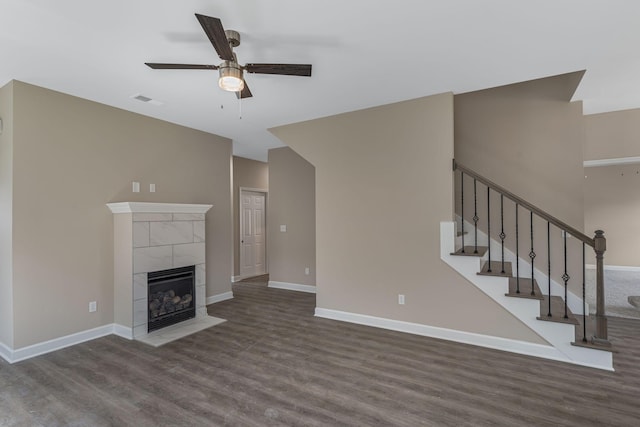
(241, 190)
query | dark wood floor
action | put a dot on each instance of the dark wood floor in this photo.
(273, 363)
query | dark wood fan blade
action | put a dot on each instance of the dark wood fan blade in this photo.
(245, 93)
(215, 31)
(157, 66)
(283, 69)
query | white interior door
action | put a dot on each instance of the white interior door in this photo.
(252, 234)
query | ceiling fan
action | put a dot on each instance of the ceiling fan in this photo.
(231, 73)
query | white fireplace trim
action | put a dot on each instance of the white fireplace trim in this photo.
(146, 207)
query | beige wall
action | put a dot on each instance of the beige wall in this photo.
(71, 156)
(612, 135)
(527, 137)
(383, 184)
(291, 203)
(612, 200)
(6, 215)
(612, 203)
(247, 174)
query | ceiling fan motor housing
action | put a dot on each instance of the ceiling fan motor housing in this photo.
(233, 37)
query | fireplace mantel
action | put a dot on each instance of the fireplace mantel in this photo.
(146, 207)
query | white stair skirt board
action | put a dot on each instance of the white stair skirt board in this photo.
(559, 335)
(13, 356)
(292, 286)
(574, 302)
(235, 279)
(220, 297)
(180, 330)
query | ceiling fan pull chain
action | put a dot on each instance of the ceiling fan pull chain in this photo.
(240, 108)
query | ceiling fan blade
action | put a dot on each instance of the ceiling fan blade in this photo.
(283, 69)
(157, 66)
(215, 31)
(245, 93)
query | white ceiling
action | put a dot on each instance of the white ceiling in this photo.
(364, 53)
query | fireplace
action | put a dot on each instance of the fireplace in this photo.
(171, 296)
(151, 238)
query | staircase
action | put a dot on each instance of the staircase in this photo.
(532, 295)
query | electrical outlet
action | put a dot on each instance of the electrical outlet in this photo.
(306, 271)
(135, 187)
(93, 306)
(152, 188)
(400, 299)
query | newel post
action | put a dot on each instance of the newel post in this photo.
(600, 247)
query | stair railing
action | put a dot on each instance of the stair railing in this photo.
(598, 243)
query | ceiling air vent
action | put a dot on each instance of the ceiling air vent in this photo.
(142, 98)
(146, 99)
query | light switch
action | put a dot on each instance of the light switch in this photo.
(152, 188)
(136, 187)
(283, 228)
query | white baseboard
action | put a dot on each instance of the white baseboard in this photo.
(220, 297)
(30, 351)
(614, 267)
(13, 356)
(5, 352)
(241, 277)
(292, 286)
(122, 331)
(497, 343)
(396, 325)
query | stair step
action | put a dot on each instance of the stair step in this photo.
(591, 329)
(470, 251)
(557, 311)
(460, 233)
(496, 269)
(589, 344)
(525, 289)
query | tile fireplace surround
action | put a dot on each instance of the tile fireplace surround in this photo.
(151, 237)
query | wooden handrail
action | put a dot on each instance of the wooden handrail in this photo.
(521, 202)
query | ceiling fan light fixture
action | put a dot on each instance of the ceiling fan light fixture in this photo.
(231, 77)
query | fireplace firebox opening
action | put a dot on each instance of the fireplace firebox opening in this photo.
(171, 296)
